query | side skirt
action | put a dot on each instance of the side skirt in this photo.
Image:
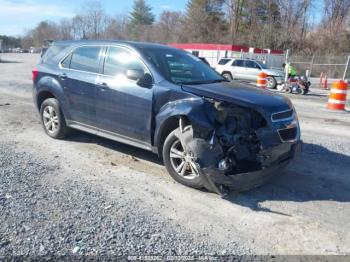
(110, 135)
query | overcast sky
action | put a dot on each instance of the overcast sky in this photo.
(17, 16)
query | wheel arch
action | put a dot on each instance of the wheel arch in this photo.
(169, 125)
(42, 96)
(50, 87)
(226, 72)
(195, 112)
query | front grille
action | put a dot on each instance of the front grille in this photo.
(282, 115)
(288, 133)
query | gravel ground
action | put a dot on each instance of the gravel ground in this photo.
(47, 219)
(88, 195)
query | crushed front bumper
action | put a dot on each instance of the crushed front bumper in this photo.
(218, 181)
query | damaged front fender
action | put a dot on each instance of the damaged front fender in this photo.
(199, 112)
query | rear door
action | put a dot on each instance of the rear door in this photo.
(123, 106)
(78, 76)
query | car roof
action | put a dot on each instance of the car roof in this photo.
(235, 58)
(132, 44)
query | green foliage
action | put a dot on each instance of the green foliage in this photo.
(141, 14)
(204, 20)
(10, 42)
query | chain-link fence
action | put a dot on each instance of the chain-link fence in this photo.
(333, 66)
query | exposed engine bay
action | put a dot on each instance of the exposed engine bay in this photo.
(235, 131)
(233, 145)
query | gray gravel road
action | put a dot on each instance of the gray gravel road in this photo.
(41, 217)
(88, 195)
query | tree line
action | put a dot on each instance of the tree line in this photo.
(274, 24)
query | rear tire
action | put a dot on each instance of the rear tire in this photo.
(52, 119)
(171, 143)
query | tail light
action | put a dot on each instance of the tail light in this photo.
(35, 74)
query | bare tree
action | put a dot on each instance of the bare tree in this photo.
(96, 19)
(80, 27)
(169, 27)
(66, 29)
(117, 28)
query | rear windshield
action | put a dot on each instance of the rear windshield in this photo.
(50, 56)
(223, 61)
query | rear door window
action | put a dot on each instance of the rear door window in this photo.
(119, 60)
(86, 59)
(250, 64)
(238, 62)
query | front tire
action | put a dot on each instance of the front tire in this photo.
(52, 119)
(178, 162)
(271, 82)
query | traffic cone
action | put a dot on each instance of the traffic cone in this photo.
(261, 82)
(337, 96)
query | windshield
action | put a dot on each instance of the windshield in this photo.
(262, 65)
(181, 67)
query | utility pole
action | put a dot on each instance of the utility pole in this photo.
(286, 67)
(346, 68)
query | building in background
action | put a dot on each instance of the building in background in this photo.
(213, 52)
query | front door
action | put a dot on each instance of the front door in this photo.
(123, 107)
(252, 69)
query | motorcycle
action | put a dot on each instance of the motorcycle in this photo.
(297, 85)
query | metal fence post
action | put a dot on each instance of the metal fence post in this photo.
(346, 68)
(286, 67)
(312, 64)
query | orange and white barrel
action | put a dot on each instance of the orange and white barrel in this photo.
(337, 95)
(261, 82)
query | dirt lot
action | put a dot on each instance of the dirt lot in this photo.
(88, 195)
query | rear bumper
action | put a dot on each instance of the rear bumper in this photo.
(215, 178)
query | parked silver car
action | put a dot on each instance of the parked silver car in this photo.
(248, 69)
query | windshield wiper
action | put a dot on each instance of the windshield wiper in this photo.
(203, 82)
(219, 81)
(190, 83)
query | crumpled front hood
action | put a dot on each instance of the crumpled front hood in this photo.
(241, 94)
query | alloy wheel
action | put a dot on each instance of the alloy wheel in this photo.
(183, 162)
(50, 119)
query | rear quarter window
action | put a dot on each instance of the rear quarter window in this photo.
(51, 55)
(223, 61)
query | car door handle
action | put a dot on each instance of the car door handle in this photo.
(103, 86)
(63, 76)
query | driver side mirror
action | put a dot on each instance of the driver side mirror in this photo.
(144, 80)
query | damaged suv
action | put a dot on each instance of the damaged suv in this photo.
(210, 132)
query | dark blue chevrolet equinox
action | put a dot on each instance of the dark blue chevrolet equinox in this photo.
(210, 132)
